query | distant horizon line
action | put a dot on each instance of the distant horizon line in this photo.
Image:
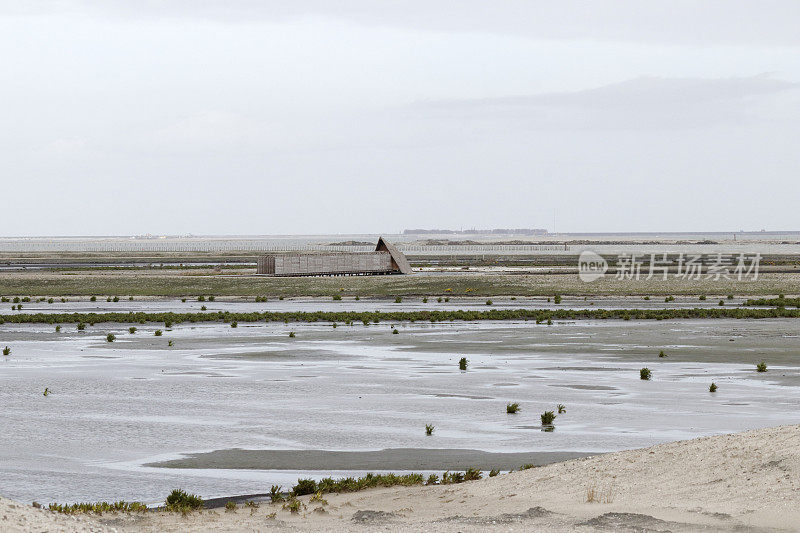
(479, 233)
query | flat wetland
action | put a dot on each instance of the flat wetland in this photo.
(242, 282)
(225, 410)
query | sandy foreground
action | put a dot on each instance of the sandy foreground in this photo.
(747, 482)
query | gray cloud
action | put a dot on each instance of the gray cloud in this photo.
(640, 103)
(278, 117)
(668, 21)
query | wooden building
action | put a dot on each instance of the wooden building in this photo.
(386, 259)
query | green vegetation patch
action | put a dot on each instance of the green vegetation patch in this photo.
(541, 315)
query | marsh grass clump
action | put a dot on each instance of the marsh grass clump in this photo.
(512, 408)
(58, 329)
(111, 337)
(712, 387)
(336, 297)
(181, 501)
(429, 429)
(368, 481)
(424, 299)
(702, 297)
(488, 302)
(549, 321)
(115, 299)
(669, 299)
(231, 506)
(108, 298)
(211, 298)
(292, 335)
(317, 498)
(398, 299)
(761, 367)
(158, 333)
(594, 494)
(46, 392)
(50, 300)
(547, 418)
(93, 299)
(395, 332)
(561, 408)
(462, 363)
(304, 486)
(201, 298)
(169, 343)
(556, 299)
(472, 474)
(132, 330)
(433, 479)
(292, 505)
(493, 472)
(98, 508)
(730, 297)
(662, 354)
(6, 351)
(81, 326)
(645, 374)
(439, 299)
(203, 308)
(234, 324)
(275, 494)
(452, 478)
(721, 302)
(167, 324)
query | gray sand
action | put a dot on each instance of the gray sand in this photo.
(388, 459)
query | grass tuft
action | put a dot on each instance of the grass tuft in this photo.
(512, 408)
(645, 373)
(181, 501)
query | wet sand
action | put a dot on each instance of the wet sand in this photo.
(392, 459)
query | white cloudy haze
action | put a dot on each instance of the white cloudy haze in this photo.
(267, 117)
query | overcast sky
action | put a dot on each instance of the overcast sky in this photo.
(269, 117)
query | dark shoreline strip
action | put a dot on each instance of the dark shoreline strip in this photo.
(391, 459)
(412, 316)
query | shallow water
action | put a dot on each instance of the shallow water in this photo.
(349, 303)
(117, 406)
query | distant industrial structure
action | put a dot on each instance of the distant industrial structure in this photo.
(386, 259)
(473, 231)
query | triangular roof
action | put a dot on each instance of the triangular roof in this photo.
(398, 259)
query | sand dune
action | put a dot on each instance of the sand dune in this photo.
(746, 481)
